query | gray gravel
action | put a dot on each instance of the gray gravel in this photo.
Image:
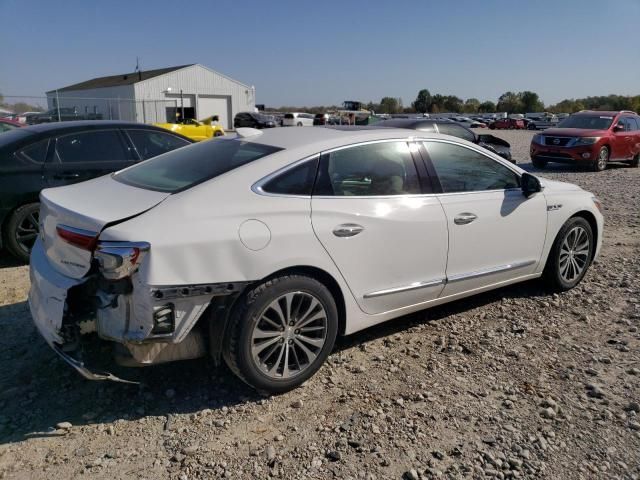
(514, 383)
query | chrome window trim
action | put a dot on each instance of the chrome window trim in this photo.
(407, 288)
(489, 271)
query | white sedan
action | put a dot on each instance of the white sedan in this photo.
(263, 248)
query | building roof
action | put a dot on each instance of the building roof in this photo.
(119, 80)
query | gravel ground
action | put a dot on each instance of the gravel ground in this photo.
(515, 383)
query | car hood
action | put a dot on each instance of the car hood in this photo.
(574, 132)
(88, 206)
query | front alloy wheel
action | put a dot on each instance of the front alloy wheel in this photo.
(281, 332)
(570, 255)
(600, 162)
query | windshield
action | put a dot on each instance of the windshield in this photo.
(591, 122)
(188, 166)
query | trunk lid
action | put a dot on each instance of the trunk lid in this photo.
(87, 206)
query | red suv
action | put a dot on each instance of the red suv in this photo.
(590, 138)
(507, 123)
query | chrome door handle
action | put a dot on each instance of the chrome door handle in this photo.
(347, 230)
(464, 218)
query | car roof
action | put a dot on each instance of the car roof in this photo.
(608, 113)
(80, 124)
(312, 140)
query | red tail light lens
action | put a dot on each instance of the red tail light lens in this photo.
(84, 239)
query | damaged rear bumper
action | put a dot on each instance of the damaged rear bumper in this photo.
(68, 312)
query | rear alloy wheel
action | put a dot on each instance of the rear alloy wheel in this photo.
(600, 163)
(281, 332)
(21, 230)
(570, 255)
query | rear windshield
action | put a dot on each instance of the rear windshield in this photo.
(188, 166)
(7, 138)
(592, 122)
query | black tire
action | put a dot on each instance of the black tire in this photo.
(635, 163)
(600, 162)
(299, 124)
(539, 163)
(245, 318)
(218, 133)
(21, 230)
(552, 276)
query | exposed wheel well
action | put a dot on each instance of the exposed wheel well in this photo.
(588, 216)
(328, 281)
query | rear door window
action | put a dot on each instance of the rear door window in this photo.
(94, 146)
(376, 169)
(186, 167)
(151, 143)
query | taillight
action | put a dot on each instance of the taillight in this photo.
(84, 239)
(120, 259)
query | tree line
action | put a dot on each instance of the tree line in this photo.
(510, 102)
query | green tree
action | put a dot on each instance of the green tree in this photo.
(453, 104)
(509, 102)
(437, 103)
(530, 102)
(422, 101)
(487, 107)
(389, 105)
(471, 105)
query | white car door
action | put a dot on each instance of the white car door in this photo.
(387, 236)
(495, 232)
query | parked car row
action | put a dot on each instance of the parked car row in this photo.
(262, 249)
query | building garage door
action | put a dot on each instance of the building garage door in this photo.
(209, 105)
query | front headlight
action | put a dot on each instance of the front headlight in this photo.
(539, 139)
(585, 141)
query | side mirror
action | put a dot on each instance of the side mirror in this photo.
(530, 184)
(618, 128)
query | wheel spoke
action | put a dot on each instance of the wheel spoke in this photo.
(316, 316)
(316, 342)
(276, 364)
(312, 329)
(275, 306)
(285, 368)
(256, 349)
(310, 355)
(259, 333)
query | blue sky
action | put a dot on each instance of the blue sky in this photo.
(324, 52)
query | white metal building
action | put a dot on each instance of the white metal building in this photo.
(158, 95)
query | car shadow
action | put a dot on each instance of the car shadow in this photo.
(565, 168)
(7, 260)
(39, 390)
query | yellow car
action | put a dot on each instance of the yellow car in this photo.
(195, 129)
